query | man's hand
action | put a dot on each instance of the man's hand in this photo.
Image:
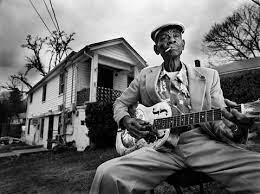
(235, 120)
(236, 117)
(136, 127)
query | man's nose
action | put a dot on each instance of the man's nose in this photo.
(171, 40)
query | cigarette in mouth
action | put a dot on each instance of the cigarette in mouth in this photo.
(167, 49)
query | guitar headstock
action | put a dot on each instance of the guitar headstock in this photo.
(251, 109)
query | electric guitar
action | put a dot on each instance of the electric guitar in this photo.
(163, 122)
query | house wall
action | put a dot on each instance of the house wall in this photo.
(71, 83)
(53, 98)
(120, 80)
(38, 109)
(33, 137)
(117, 52)
(83, 75)
(78, 130)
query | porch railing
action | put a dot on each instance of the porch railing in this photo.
(107, 94)
(82, 96)
(103, 94)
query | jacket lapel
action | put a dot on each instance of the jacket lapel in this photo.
(151, 82)
(197, 87)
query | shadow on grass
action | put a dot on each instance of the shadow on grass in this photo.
(69, 172)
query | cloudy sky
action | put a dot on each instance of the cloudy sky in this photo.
(99, 20)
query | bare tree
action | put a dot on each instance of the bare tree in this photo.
(238, 37)
(17, 82)
(58, 46)
(34, 61)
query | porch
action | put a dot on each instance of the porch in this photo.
(106, 69)
(102, 80)
(103, 94)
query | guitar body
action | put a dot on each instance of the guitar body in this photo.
(163, 119)
(125, 143)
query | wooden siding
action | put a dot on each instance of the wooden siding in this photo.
(77, 131)
(116, 64)
(70, 85)
(118, 52)
(53, 99)
(83, 76)
(120, 81)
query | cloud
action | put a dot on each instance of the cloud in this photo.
(100, 20)
(17, 20)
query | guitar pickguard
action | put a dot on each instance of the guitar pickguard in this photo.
(160, 110)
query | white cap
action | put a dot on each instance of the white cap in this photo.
(158, 29)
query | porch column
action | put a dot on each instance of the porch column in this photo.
(136, 71)
(93, 78)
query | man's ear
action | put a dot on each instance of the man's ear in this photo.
(183, 44)
(156, 49)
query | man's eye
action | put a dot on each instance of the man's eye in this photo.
(163, 38)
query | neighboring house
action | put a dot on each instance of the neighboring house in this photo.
(240, 80)
(239, 67)
(56, 104)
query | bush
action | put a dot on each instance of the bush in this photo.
(242, 87)
(101, 125)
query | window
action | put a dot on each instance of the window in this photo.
(62, 83)
(31, 97)
(42, 128)
(44, 93)
(29, 125)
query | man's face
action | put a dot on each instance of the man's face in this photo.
(169, 38)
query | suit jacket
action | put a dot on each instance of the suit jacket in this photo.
(205, 92)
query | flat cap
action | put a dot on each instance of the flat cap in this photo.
(158, 29)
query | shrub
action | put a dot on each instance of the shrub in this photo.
(101, 125)
(242, 87)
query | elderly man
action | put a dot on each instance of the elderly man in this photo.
(211, 148)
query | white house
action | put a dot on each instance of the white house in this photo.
(56, 104)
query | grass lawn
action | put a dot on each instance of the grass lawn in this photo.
(68, 172)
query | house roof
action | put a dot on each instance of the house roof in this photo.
(248, 64)
(91, 47)
(111, 42)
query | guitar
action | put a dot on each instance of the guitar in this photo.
(163, 122)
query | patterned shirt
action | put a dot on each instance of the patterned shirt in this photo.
(173, 87)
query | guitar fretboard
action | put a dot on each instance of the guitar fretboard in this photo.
(191, 118)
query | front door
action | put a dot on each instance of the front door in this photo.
(105, 77)
(50, 132)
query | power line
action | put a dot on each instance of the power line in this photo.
(50, 15)
(54, 16)
(40, 16)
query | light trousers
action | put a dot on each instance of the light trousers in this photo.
(142, 170)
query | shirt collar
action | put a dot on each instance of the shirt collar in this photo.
(180, 75)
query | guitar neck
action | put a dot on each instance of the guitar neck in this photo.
(191, 118)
